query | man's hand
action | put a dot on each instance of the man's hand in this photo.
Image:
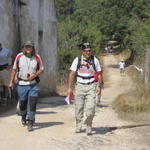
(69, 91)
(11, 82)
(70, 81)
(32, 77)
(11, 85)
(98, 90)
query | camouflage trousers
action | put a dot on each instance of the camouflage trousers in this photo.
(84, 104)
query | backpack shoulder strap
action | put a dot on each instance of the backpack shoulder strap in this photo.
(36, 57)
(79, 63)
(17, 60)
(93, 63)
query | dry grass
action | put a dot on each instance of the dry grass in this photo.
(133, 102)
(138, 100)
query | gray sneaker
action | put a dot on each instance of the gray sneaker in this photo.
(78, 130)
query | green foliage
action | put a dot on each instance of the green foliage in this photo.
(110, 18)
(140, 38)
(65, 58)
(64, 8)
(140, 33)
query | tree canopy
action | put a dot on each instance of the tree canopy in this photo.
(97, 21)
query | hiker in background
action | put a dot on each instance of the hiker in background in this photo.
(6, 62)
(98, 94)
(122, 67)
(83, 68)
(5, 54)
(28, 66)
(106, 49)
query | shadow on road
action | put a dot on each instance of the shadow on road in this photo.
(46, 102)
(104, 130)
(51, 102)
(41, 125)
(6, 112)
(113, 66)
(45, 112)
(102, 106)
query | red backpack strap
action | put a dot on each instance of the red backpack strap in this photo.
(38, 62)
(93, 63)
(17, 60)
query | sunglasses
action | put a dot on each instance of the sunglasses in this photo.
(87, 50)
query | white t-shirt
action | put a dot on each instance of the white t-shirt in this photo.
(85, 71)
(4, 55)
(27, 66)
(121, 65)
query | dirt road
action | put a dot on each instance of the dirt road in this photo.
(55, 125)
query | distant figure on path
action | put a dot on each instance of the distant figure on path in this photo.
(28, 66)
(83, 68)
(98, 94)
(106, 49)
(122, 67)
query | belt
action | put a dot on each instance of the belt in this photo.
(86, 83)
(89, 77)
(23, 80)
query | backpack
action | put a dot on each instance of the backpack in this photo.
(38, 66)
(91, 62)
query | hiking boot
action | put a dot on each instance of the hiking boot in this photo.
(88, 130)
(30, 125)
(23, 120)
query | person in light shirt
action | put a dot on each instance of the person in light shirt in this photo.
(122, 67)
(5, 54)
(85, 88)
(6, 62)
